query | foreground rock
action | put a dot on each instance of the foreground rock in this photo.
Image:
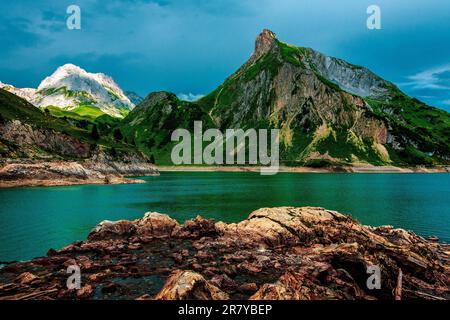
(279, 253)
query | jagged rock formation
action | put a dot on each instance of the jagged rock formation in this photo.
(279, 253)
(329, 112)
(353, 79)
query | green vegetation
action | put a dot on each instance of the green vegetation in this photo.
(423, 132)
(94, 133)
(14, 108)
(320, 126)
(81, 112)
(292, 54)
(88, 111)
(150, 125)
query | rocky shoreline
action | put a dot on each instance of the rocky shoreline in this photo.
(63, 173)
(278, 253)
(331, 169)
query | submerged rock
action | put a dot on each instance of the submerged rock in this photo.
(276, 253)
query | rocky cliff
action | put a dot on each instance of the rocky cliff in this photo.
(329, 112)
(34, 146)
(279, 253)
(327, 109)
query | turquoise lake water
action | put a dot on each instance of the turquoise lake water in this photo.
(32, 220)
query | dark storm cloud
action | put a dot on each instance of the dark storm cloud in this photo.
(191, 46)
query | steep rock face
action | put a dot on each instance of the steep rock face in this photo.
(328, 109)
(276, 253)
(354, 79)
(279, 87)
(26, 138)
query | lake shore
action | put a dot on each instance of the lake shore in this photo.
(65, 182)
(284, 253)
(348, 169)
(66, 173)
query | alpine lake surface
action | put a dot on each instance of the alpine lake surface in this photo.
(35, 219)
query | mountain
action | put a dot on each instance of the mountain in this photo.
(329, 112)
(134, 97)
(33, 143)
(73, 90)
(28, 94)
(150, 125)
(29, 132)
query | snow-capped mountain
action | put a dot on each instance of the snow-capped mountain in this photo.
(25, 93)
(73, 88)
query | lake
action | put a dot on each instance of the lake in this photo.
(32, 220)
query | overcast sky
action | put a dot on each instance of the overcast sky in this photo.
(190, 46)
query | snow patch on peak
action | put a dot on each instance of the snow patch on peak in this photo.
(28, 94)
(70, 86)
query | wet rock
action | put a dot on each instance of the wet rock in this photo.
(156, 225)
(224, 282)
(177, 257)
(112, 229)
(277, 253)
(248, 287)
(85, 292)
(110, 288)
(188, 285)
(433, 238)
(26, 278)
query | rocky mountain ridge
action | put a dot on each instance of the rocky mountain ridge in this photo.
(329, 112)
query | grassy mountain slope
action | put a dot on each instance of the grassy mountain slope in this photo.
(149, 126)
(29, 132)
(314, 100)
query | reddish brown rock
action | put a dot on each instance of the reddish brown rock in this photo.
(85, 292)
(277, 253)
(112, 229)
(156, 225)
(188, 285)
(26, 278)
